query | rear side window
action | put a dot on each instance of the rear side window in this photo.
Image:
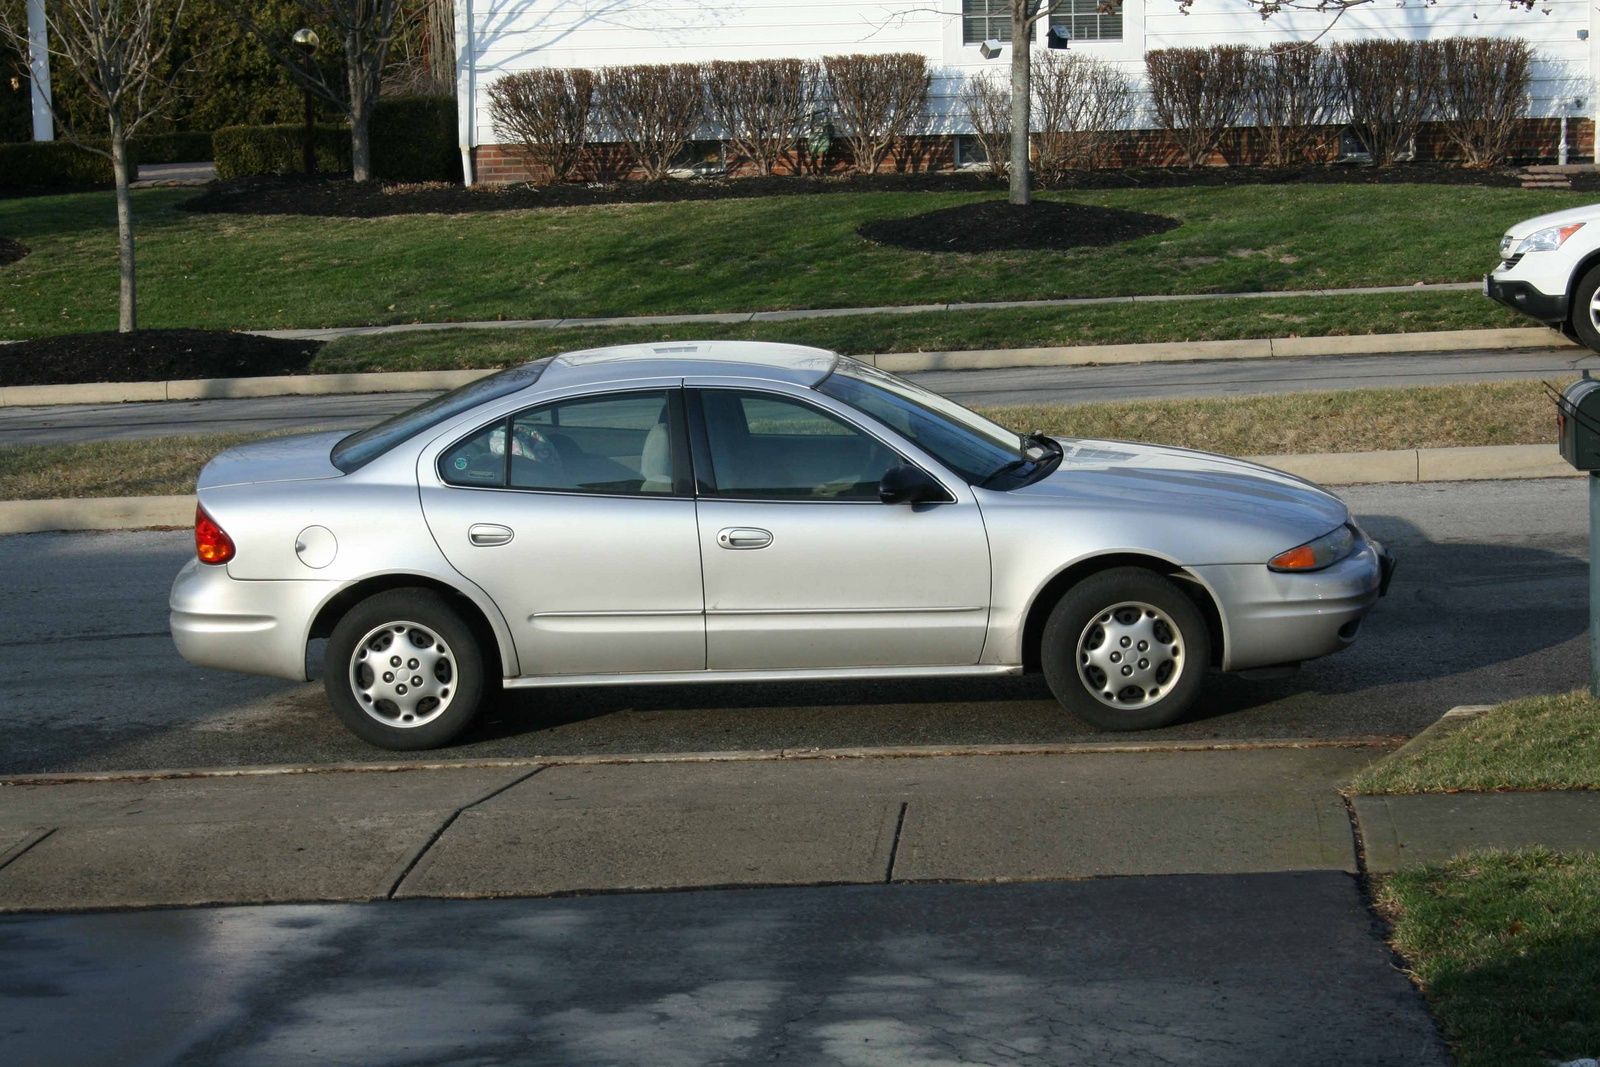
(619, 444)
(359, 449)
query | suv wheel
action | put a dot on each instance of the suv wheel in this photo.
(1586, 309)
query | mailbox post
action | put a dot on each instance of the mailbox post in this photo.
(1578, 437)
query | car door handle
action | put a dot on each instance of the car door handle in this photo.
(487, 535)
(744, 537)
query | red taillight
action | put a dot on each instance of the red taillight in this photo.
(211, 542)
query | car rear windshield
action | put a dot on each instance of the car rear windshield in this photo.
(359, 449)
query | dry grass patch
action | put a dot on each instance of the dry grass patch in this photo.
(162, 466)
(1360, 420)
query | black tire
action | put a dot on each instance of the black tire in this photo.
(1582, 323)
(458, 675)
(1163, 610)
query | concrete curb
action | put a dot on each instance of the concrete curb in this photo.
(898, 362)
(1493, 462)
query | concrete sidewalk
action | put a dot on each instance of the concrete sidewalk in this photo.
(554, 828)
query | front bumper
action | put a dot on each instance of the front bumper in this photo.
(255, 627)
(1271, 618)
(1525, 297)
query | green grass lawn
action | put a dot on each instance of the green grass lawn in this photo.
(1506, 946)
(229, 271)
(1550, 742)
(1199, 320)
(1485, 414)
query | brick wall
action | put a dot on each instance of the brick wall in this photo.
(1537, 141)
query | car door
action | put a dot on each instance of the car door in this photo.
(577, 517)
(804, 566)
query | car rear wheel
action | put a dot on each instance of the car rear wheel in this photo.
(1126, 649)
(404, 670)
(1586, 309)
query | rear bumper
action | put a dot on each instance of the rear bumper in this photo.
(1524, 297)
(252, 627)
(1271, 618)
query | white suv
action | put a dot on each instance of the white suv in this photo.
(1550, 270)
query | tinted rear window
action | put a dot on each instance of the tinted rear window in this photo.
(359, 449)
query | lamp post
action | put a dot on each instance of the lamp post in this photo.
(308, 40)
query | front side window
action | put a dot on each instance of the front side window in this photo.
(962, 440)
(617, 444)
(769, 447)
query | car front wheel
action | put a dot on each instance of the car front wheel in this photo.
(1586, 309)
(1126, 649)
(404, 670)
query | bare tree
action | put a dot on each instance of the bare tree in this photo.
(987, 103)
(878, 99)
(1483, 94)
(762, 106)
(1198, 94)
(364, 30)
(654, 109)
(1390, 87)
(1080, 104)
(120, 50)
(546, 110)
(1293, 89)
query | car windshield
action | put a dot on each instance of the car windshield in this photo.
(359, 449)
(962, 440)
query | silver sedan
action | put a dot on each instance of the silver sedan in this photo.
(732, 511)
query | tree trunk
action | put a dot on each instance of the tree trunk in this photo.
(1021, 92)
(360, 141)
(127, 314)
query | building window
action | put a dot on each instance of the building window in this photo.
(1086, 21)
(985, 20)
(990, 20)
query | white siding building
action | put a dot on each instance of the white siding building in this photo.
(495, 37)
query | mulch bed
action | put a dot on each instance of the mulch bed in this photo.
(151, 356)
(331, 197)
(11, 250)
(999, 226)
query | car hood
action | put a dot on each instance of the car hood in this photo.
(1518, 231)
(1120, 476)
(277, 459)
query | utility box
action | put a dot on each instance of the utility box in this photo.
(1578, 423)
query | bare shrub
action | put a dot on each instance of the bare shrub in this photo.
(1198, 93)
(762, 106)
(986, 99)
(546, 111)
(1292, 92)
(1483, 94)
(1389, 88)
(878, 99)
(1079, 105)
(653, 109)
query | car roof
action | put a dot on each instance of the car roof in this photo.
(797, 364)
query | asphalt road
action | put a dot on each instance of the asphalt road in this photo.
(1030, 385)
(1279, 968)
(1489, 603)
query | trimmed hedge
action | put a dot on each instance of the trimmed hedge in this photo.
(243, 151)
(414, 139)
(187, 147)
(51, 165)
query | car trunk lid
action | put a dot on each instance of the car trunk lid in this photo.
(276, 459)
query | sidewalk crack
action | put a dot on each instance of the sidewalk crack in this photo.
(894, 844)
(18, 851)
(434, 837)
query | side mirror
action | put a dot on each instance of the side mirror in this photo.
(906, 484)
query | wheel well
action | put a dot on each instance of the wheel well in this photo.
(1585, 265)
(1056, 588)
(335, 609)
